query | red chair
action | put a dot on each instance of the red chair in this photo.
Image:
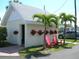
(55, 41)
(48, 42)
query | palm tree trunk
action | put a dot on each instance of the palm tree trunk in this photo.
(44, 37)
(57, 34)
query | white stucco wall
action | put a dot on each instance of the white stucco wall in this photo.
(14, 24)
(15, 39)
(31, 40)
(35, 40)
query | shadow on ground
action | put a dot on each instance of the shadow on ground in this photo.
(36, 54)
(65, 46)
(33, 54)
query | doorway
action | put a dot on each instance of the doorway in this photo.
(23, 35)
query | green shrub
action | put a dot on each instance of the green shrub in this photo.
(3, 34)
(60, 36)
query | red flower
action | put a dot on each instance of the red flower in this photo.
(33, 32)
(51, 32)
(40, 32)
(46, 32)
(55, 32)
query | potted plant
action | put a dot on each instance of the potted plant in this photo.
(40, 32)
(51, 32)
(33, 32)
(55, 32)
(46, 32)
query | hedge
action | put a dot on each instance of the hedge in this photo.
(3, 34)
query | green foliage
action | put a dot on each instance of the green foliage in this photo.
(47, 20)
(60, 36)
(3, 34)
(64, 19)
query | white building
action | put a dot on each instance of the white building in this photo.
(18, 19)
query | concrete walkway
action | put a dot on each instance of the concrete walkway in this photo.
(10, 51)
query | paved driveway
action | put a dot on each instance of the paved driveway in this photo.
(71, 53)
(65, 54)
(9, 57)
(10, 52)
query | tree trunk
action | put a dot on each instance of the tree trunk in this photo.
(44, 37)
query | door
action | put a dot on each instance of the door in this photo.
(23, 35)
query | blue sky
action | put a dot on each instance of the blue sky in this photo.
(53, 6)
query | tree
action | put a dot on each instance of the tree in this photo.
(47, 21)
(65, 18)
(71, 18)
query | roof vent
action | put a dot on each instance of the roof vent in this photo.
(15, 1)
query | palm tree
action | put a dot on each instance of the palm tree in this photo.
(71, 18)
(65, 18)
(47, 21)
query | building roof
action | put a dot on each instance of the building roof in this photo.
(25, 11)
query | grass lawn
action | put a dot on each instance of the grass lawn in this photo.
(66, 46)
(35, 50)
(72, 40)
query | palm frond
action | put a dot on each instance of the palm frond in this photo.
(47, 20)
(39, 16)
